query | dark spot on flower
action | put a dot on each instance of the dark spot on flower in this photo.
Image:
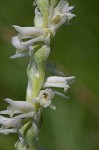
(45, 95)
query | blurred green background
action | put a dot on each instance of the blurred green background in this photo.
(75, 123)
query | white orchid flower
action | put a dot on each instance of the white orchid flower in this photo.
(59, 82)
(25, 41)
(9, 125)
(26, 31)
(45, 98)
(61, 14)
(23, 109)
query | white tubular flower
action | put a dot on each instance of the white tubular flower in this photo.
(26, 40)
(32, 31)
(61, 14)
(45, 98)
(9, 125)
(23, 109)
(60, 82)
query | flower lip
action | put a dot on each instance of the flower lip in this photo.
(7, 131)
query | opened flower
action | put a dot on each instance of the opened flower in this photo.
(61, 14)
(9, 125)
(27, 40)
(22, 109)
(60, 82)
(45, 98)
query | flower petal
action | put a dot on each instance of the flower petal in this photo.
(52, 106)
(18, 55)
(29, 30)
(7, 131)
(30, 42)
(25, 115)
(22, 106)
(16, 42)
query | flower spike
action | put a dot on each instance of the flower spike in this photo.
(36, 43)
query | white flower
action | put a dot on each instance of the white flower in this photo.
(10, 122)
(32, 31)
(27, 40)
(30, 39)
(45, 98)
(60, 82)
(9, 125)
(61, 14)
(22, 109)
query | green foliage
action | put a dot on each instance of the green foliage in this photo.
(75, 123)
